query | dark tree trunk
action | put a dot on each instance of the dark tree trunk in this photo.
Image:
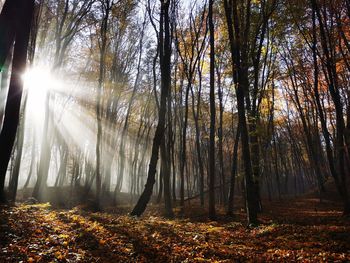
(238, 37)
(230, 208)
(167, 162)
(13, 103)
(212, 214)
(19, 145)
(183, 149)
(340, 184)
(223, 187)
(165, 59)
(10, 21)
(166, 170)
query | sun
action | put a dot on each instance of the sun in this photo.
(38, 82)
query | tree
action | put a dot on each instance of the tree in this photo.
(341, 141)
(212, 115)
(12, 109)
(106, 7)
(190, 43)
(13, 185)
(238, 30)
(165, 58)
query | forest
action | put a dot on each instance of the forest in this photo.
(174, 131)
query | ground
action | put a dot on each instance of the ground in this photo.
(297, 230)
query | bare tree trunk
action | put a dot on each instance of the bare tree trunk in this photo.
(13, 103)
(45, 153)
(183, 150)
(165, 59)
(336, 171)
(230, 208)
(238, 37)
(107, 6)
(19, 145)
(212, 214)
(32, 162)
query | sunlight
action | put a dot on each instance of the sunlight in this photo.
(37, 82)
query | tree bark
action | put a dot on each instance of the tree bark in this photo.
(238, 37)
(212, 213)
(13, 103)
(165, 59)
(230, 208)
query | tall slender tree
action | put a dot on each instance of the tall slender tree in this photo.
(212, 214)
(165, 67)
(239, 31)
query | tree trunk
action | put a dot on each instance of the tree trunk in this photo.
(20, 139)
(107, 6)
(238, 47)
(212, 214)
(165, 59)
(13, 103)
(230, 208)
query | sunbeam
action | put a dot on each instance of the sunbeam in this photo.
(38, 82)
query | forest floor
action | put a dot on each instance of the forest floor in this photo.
(295, 230)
